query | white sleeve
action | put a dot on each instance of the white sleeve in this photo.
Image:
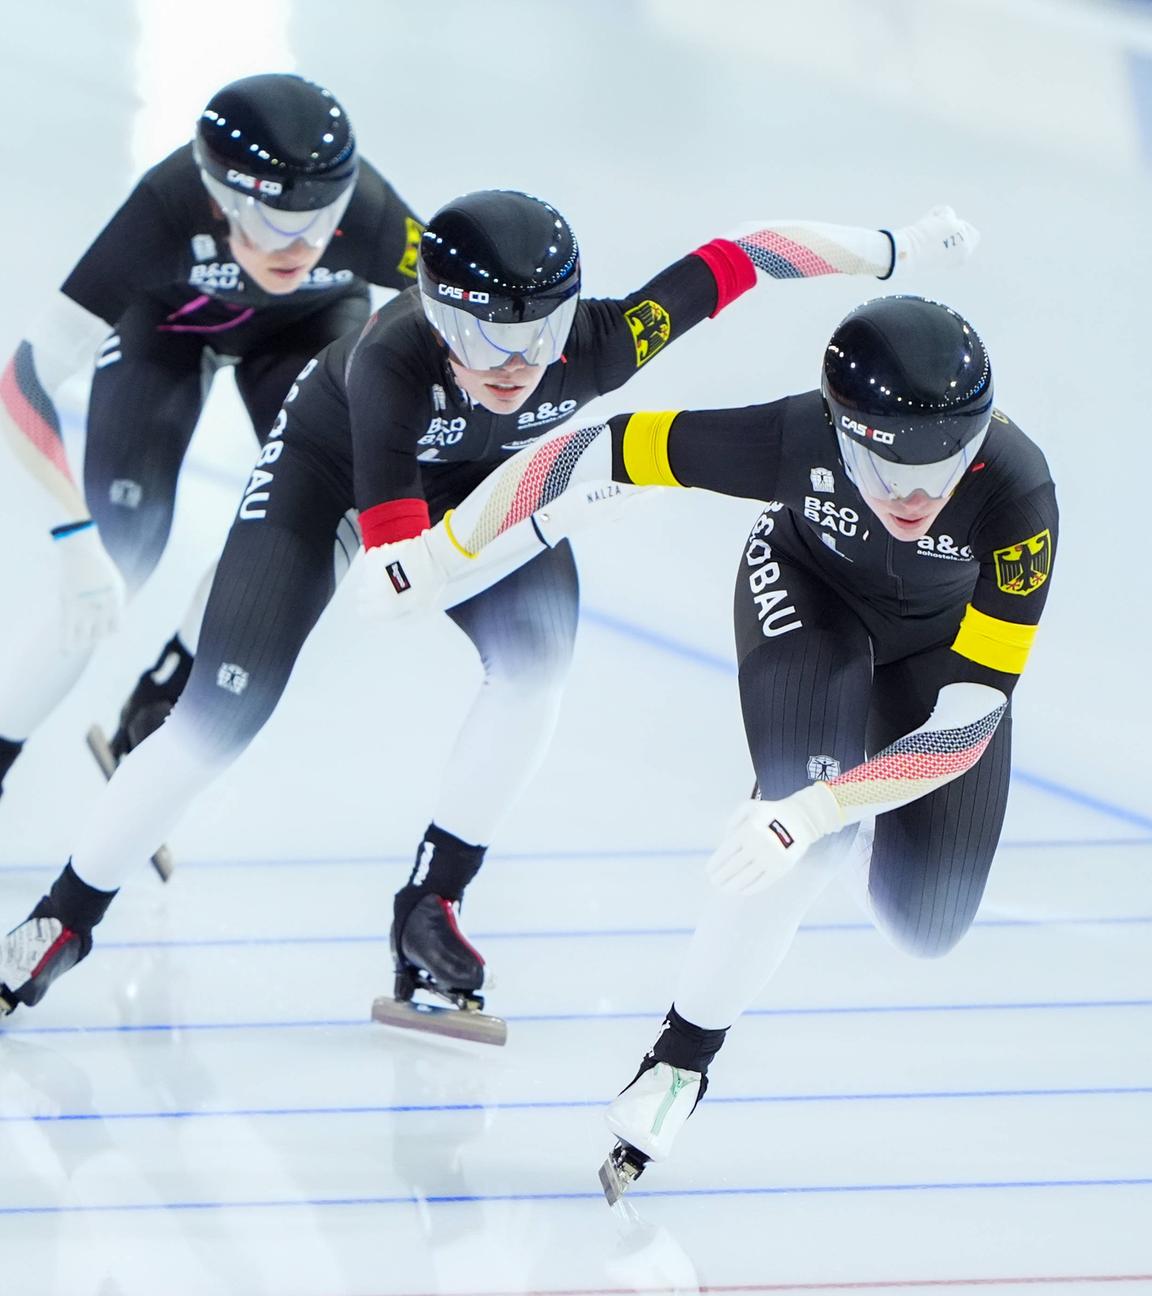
(61, 342)
(64, 338)
(946, 745)
(802, 249)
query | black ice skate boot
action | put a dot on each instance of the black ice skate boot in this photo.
(56, 935)
(153, 698)
(147, 708)
(652, 1110)
(430, 951)
(8, 753)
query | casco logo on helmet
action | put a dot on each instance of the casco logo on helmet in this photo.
(251, 182)
(862, 429)
(462, 294)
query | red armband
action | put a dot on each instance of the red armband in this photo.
(732, 269)
(395, 520)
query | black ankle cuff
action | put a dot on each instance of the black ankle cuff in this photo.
(175, 675)
(445, 864)
(8, 752)
(688, 1047)
(77, 904)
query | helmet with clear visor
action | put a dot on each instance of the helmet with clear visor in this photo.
(499, 275)
(278, 156)
(908, 388)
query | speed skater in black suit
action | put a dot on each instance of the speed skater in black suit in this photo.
(252, 246)
(886, 602)
(399, 424)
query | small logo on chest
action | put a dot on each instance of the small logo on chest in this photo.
(546, 412)
(216, 275)
(444, 432)
(943, 546)
(830, 516)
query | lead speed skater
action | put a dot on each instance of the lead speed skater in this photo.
(886, 603)
(395, 425)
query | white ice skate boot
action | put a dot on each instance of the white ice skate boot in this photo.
(646, 1118)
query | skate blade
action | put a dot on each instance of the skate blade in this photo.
(623, 1166)
(7, 1005)
(458, 1023)
(162, 861)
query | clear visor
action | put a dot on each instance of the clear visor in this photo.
(269, 228)
(883, 479)
(481, 344)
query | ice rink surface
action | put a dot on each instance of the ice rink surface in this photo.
(204, 1107)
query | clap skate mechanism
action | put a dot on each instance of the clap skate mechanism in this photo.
(464, 1020)
(100, 748)
(625, 1164)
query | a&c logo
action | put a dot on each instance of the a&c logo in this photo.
(943, 547)
(322, 277)
(546, 412)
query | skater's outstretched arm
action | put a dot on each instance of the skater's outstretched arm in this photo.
(564, 481)
(541, 495)
(618, 336)
(797, 249)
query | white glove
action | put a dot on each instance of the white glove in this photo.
(765, 839)
(91, 589)
(396, 580)
(936, 241)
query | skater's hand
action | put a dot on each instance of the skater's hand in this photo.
(399, 579)
(766, 839)
(936, 241)
(91, 589)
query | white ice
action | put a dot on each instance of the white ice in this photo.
(204, 1106)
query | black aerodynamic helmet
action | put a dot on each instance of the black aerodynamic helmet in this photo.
(278, 155)
(908, 388)
(499, 276)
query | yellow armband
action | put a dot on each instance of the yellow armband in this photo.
(645, 449)
(988, 641)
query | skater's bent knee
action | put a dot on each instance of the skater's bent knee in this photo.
(925, 938)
